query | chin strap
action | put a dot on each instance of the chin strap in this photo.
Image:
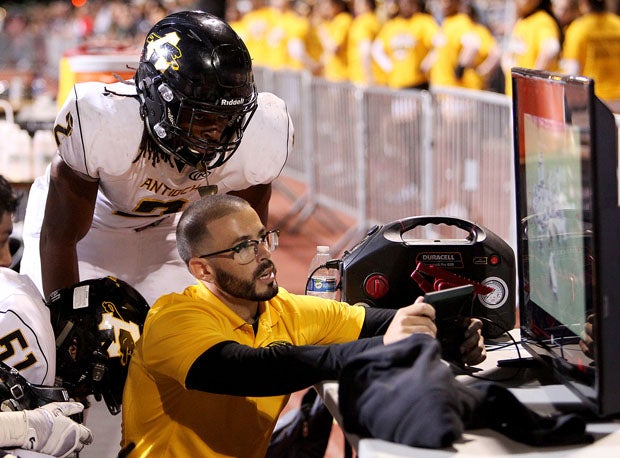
(19, 394)
(208, 189)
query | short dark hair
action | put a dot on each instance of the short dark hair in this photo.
(192, 229)
(8, 199)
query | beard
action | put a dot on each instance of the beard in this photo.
(246, 289)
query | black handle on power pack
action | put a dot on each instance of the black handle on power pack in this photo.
(403, 225)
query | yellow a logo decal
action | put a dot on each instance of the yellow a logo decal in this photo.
(163, 52)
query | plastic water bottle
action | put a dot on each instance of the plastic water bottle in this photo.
(322, 281)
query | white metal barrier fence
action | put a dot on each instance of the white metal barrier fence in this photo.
(378, 155)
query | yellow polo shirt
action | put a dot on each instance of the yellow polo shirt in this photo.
(164, 419)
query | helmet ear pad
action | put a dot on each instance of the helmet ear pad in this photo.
(152, 105)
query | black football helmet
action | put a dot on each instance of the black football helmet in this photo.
(96, 324)
(194, 67)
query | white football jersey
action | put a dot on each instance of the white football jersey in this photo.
(26, 336)
(99, 131)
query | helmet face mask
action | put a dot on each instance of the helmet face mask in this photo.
(96, 324)
(188, 140)
(193, 65)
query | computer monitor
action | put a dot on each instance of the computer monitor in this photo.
(568, 220)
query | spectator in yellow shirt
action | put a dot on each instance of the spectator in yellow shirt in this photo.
(403, 44)
(566, 11)
(592, 49)
(535, 40)
(465, 51)
(363, 30)
(253, 31)
(287, 33)
(333, 32)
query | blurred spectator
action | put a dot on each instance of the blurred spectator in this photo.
(16, 52)
(565, 11)
(310, 10)
(535, 40)
(286, 38)
(253, 29)
(364, 28)
(333, 32)
(592, 48)
(148, 13)
(403, 44)
(232, 15)
(35, 35)
(465, 52)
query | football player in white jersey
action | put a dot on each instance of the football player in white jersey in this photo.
(27, 345)
(26, 335)
(132, 155)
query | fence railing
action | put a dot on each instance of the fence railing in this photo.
(378, 155)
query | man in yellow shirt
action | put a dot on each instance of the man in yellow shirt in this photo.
(216, 363)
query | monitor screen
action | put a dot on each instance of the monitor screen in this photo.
(568, 222)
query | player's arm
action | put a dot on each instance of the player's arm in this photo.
(258, 196)
(68, 216)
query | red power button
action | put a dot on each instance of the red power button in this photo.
(376, 286)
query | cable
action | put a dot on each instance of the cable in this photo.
(519, 359)
(331, 264)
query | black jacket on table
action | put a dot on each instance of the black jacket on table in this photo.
(405, 393)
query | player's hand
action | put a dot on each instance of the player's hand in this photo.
(49, 430)
(472, 349)
(415, 318)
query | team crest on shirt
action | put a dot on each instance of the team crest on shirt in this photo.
(163, 52)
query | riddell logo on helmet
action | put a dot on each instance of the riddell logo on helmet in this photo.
(238, 101)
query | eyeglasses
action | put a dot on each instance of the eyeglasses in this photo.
(246, 251)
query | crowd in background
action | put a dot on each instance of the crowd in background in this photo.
(419, 44)
(396, 43)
